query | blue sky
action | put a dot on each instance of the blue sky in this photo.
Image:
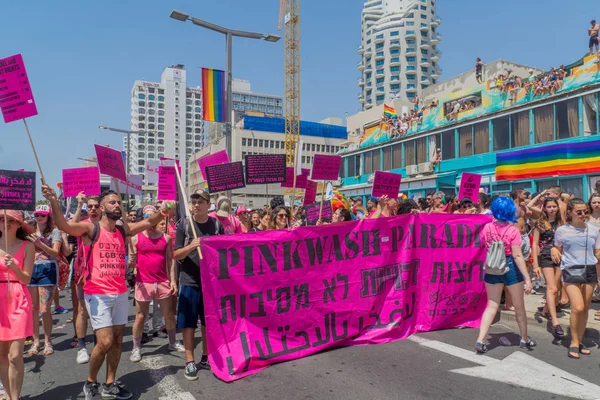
(83, 57)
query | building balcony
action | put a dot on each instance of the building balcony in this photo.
(411, 89)
(379, 74)
(361, 99)
(410, 35)
(410, 52)
(361, 82)
(361, 66)
(424, 28)
(368, 106)
(435, 58)
(425, 46)
(425, 64)
(361, 50)
(380, 56)
(368, 68)
(436, 22)
(379, 39)
(425, 80)
(439, 37)
(368, 52)
(395, 63)
(394, 44)
(435, 75)
(434, 41)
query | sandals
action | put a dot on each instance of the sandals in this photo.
(34, 349)
(574, 352)
(48, 349)
(584, 350)
(481, 348)
(597, 316)
(558, 331)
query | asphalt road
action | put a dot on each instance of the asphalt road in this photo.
(421, 368)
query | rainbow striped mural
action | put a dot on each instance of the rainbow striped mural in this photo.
(213, 95)
(552, 160)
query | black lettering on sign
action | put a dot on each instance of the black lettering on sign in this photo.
(265, 168)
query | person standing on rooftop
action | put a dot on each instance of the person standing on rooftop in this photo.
(593, 33)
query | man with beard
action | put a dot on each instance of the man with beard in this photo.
(105, 286)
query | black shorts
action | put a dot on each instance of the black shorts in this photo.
(545, 260)
(589, 275)
(593, 41)
(190, 308)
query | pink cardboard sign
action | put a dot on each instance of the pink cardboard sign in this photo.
(167, 183)
(310, 194)
(224, 177)
(386, 183)
(326, 167)
(469, 187)
(16, 98)
(338, 285)
(110, 162)
(220, 157)
(76, 180)
(301, 180)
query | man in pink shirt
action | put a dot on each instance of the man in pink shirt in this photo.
(105, 286)
(230, 223)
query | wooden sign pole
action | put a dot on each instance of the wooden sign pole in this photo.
(6, 249)
(187, 208)
(37, 160)
(322, 198)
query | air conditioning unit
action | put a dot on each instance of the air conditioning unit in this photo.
(411, 170)
(425, 168)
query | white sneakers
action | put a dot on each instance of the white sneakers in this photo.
(82, 356)
(136, 356)
(177, 346)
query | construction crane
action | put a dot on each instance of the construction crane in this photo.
(289, 17)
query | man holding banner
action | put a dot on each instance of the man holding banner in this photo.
(105, 286)
(191, 303)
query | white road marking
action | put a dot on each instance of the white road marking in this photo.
(167, 384)
(519, 369)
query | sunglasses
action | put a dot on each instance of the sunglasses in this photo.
(39, 215)
(94, 206)
(580, 213)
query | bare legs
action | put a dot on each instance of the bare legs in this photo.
(12, 369)
(109, 342)
(552, 277)
(41, 301)
(494, 293)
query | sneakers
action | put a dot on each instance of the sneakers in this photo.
(90, 390)
(145, 338)
(82, 356)
(160, 334)
(204, 364)
(177, 346)
(115, 391)
(191, 372)
(527, 344)
(136, 356)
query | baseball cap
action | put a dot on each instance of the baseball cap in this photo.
(200, 194)
(241, 209)
(223, 207)
(42, 209)
(149, 210)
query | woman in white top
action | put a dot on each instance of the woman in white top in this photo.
(577, 248)
(594, 204)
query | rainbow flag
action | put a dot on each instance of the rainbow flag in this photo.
(213, 95)
(553, 160)
(389, 112)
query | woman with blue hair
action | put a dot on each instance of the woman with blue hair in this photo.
(509, 271)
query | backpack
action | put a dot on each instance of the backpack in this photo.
(495, 258)
(95, 237)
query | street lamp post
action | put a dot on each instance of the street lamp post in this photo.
(229, 34)
(128, 133)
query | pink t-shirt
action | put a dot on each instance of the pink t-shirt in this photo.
(230, 224)
(508, 233)
(151, 259)
(107, 264)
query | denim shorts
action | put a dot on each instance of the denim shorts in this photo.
(512, 277)
(45, 273)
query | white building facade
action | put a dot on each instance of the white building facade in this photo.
(399, 50)
(168, 116)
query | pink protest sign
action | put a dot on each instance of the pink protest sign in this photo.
(469, 187)
(353, 283)
(220, 157)
(386, 183)
(16, 98)
(301, 180)
(76, 180)
(167, 183)
(326, 167)
(110, 162)
(310, 194)
(224, 177)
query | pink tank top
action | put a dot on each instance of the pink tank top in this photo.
(19, 257)
(107, 264)
(151, 259)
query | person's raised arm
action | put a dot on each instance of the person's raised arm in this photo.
(80, 200)
(167, 209)
(71, 228)
(382, 203)
(53, 251)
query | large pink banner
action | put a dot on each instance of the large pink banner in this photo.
(280, 295)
